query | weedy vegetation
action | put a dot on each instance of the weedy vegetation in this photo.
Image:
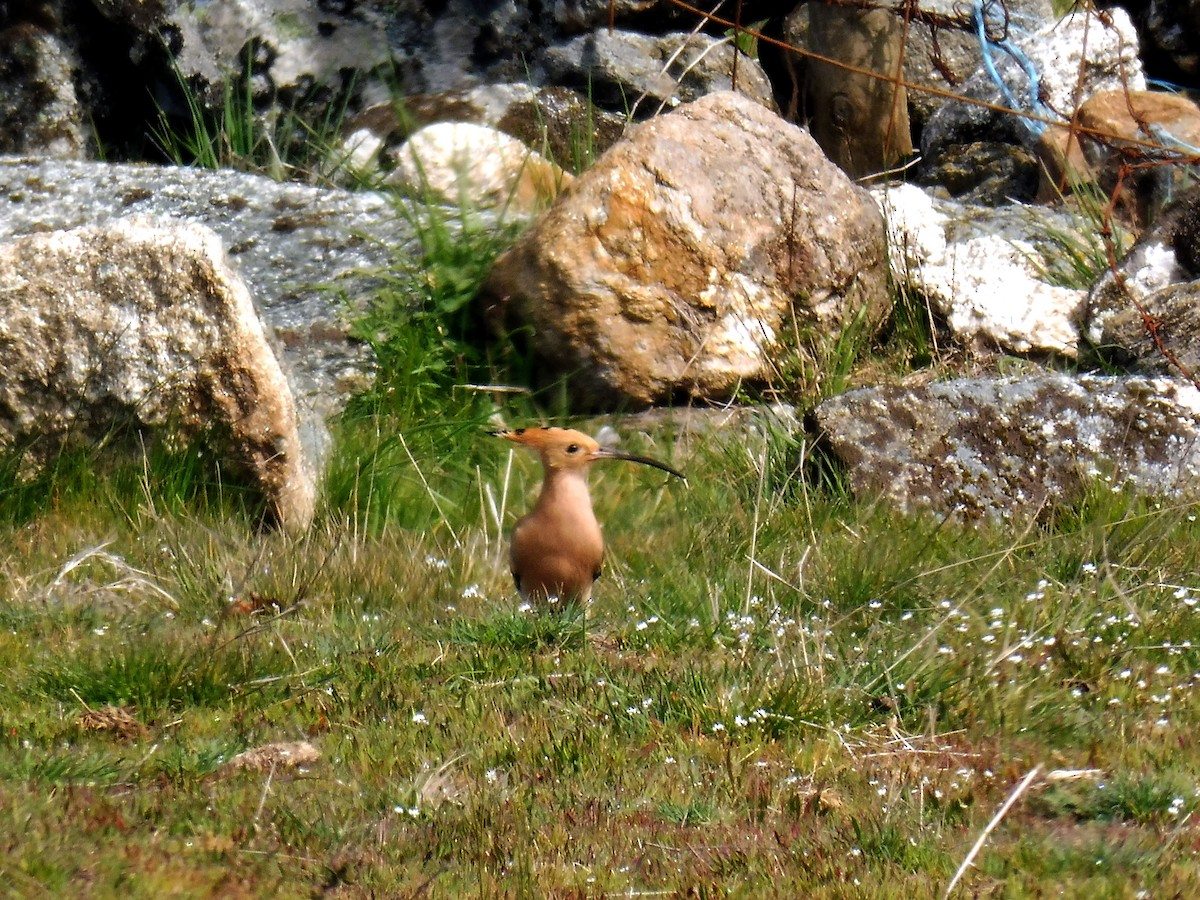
(779, 690)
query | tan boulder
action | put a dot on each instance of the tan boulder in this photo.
(693, 256)
(1144, 124)
(143, 322)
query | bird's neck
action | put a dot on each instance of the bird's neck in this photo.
(565, 491)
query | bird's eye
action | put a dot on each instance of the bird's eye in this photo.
(573, 448)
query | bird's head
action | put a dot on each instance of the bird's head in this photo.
(566, 448)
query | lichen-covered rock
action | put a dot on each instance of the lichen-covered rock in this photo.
(143, 323)
(978, 268)
(668, 269)
(994, 449)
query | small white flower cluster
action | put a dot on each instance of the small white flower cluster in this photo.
(762, 626)
(754, 718)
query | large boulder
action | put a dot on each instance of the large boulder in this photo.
(310, 256)
(691, 253)
(1014, 448)
(143, 323)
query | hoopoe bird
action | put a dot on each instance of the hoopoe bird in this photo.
(557, 547)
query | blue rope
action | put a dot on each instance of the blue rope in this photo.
(986, 46)
(1169, 141)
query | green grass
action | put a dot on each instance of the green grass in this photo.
(296, 143)
(854, 706)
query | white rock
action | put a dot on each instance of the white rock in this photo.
(987, 286)
(357, 155)
(1111, 60)
(477, 166)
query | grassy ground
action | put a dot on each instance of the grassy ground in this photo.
(777, 692)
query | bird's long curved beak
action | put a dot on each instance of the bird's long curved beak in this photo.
(606, 453)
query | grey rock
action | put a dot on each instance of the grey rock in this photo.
(585, 15)
(998, 449)
(286, 43)
(620, 67)
(1182, 225)
(297, 62)
(40, 112)
(311, 256)
(459, 44)
(1165, 255)
(1174, 27)
(138, 323)
(1160, 335)
(983, 173)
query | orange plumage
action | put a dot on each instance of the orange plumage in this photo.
(557, 548)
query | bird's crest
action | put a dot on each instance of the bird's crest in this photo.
(548, 437)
